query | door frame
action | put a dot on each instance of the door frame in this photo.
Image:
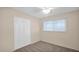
(14, 31)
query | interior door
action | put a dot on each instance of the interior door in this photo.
(22, 32)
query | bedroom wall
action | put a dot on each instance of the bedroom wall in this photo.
(70, 38)
(7, 30)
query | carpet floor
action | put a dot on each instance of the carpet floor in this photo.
(44, 47)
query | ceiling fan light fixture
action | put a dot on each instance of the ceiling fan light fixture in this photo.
(46, 10)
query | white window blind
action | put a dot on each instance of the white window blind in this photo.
(54, 25)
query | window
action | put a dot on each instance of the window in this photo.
(55, 25)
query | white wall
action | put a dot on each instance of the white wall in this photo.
(70, 38)
(7, 28)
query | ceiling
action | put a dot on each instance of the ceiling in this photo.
(36, 12)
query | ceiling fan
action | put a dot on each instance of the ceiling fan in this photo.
(47, 10)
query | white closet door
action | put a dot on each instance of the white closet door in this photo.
(22, 32)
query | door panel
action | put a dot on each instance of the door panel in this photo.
(22, 32)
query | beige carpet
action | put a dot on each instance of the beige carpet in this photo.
(44, 47)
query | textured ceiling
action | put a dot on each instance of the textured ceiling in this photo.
(36, 12)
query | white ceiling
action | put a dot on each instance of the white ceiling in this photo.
(36, 12)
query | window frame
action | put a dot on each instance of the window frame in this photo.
(66, 26)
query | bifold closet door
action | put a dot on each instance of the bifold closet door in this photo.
(22, 32)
